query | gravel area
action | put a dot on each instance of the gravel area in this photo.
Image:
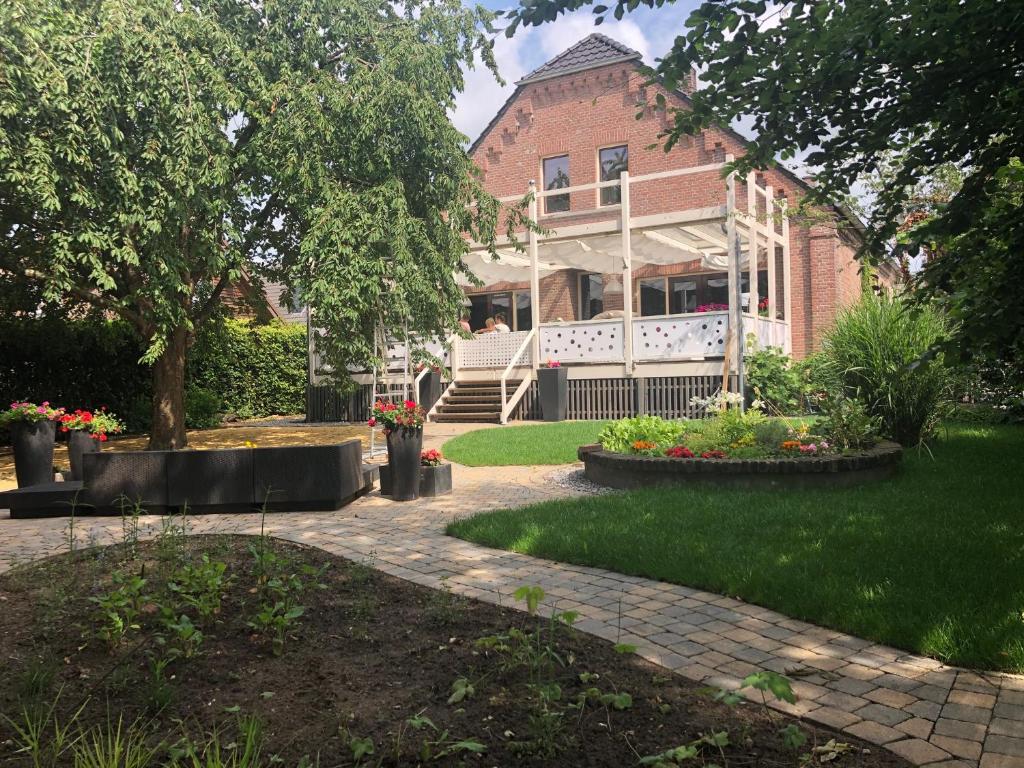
(572, 479)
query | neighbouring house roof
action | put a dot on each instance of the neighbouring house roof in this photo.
(594, 50)
(597, 50)
(277, 297)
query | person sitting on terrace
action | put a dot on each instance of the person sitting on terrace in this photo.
(500, 325)
(488, 327)
(464, 323)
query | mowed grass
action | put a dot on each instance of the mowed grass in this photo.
(554, 443)
(931, 561)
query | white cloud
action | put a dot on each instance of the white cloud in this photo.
(649, 33)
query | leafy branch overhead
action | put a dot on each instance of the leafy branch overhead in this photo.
(918, 90)
(153, 153)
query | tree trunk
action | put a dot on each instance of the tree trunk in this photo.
(168, 430)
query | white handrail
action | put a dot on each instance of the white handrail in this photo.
(416, 383)
(508, 370)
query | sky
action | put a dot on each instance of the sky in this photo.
(648, 31)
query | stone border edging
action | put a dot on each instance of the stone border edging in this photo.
(619, 470)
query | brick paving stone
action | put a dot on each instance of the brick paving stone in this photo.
(880, 713)
(1004, 745)
(991, 760)
(960, 729)
(917, 727)
(890, 698)
(918, 751)
(972, 699)
(964, 712)
(1004, 727)
(1009, 711)
(851, 685)
(835, 718)
(929, 692)
(928, 709)
(876, 733)
(971, 750)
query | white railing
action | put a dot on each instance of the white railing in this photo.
(770, 333)
(490, 350)
(589, 341)
(680, 337)
(506, 404)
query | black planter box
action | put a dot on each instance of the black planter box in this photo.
(404, 447)
(553, 387)
(430, 390)
(436, 481)
(210, 480)
(114, 478)
(79, 444)
(33, 452)
(309, 477)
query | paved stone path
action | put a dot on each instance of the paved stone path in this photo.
(916, 707)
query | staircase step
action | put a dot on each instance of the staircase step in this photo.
(483, 399)
(468, 408)
(492, 384)
(492, 418)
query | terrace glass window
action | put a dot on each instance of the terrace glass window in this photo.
(556, 176)
(613, 161)
(591, 296)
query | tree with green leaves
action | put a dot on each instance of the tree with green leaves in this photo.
(925, 85)
(153, 152)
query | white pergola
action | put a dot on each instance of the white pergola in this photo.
(723, 237)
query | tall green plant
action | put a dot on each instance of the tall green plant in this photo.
(877, 352)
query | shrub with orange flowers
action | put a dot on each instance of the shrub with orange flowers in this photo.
(99, 424)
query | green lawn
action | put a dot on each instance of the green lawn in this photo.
(931, 561)
(554, 443)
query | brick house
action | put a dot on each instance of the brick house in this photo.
(652, 270)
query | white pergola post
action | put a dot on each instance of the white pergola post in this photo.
(627, 275)
(752, 228)
(787, 280)
(769, 212)
(534, 278)
(732, 237)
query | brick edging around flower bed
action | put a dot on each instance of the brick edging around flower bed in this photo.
(619, 470)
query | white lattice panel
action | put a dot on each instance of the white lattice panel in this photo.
(588, 342)
(493, 350)
(680, 337)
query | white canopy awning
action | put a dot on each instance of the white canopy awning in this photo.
(603, 253)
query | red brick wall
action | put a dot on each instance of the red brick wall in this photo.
(579, 113)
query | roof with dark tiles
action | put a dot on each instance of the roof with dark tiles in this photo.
(595, 50)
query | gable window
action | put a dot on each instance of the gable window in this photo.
(613, 161)
(591, 296)
(556, 176)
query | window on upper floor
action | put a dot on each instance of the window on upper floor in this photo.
(556, 176)
(613, 161)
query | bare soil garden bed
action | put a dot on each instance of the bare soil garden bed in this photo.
(372, 671)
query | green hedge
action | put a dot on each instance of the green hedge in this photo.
(254, 370)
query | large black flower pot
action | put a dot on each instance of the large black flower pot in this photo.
(404, 447)
(80, 443)
(436, 481)
(33, 451)
(553, 385)
(430, 390)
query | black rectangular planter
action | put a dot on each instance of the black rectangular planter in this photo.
(308, 477)
(113, 478)
(553, 388)
(45, 500)
(210, 480)
(436, 481)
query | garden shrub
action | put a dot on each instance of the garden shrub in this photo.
(847, 423)
(202, 408)
(877, 352)
(776, 381)
(256, 370)
(619, 436)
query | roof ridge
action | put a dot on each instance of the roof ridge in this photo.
(594, 50)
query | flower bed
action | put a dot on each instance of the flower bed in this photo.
(619, 470)
(748, 447)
